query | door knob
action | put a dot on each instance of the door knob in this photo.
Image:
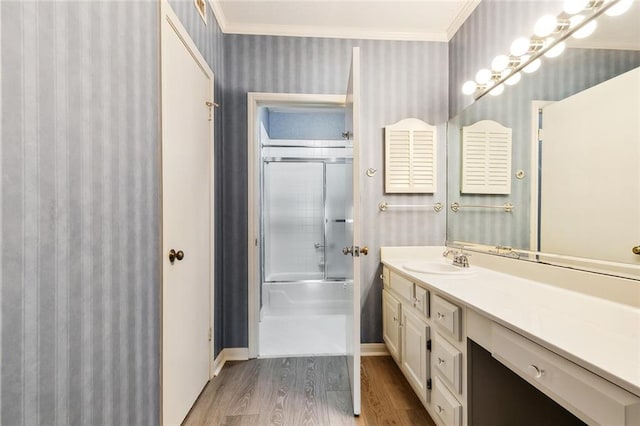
(636, 250)
(173, 255)
(364, 250)
(347, 251)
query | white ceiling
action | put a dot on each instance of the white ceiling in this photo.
(426, 20)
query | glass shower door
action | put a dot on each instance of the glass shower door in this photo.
(338, 194)
(293, 219)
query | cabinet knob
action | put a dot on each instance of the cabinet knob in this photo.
(440, 361)
(440, 409)
(440, 316)
(636, 250)
(535, 371)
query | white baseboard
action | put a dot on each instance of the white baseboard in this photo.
(373, 349)
(229, 354)
(242, 354)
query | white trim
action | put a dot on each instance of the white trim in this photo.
(374, 349)
(463, 14)
(229, 354)
(219, 15)
(533, 174)
(254, 100)
(342, 33)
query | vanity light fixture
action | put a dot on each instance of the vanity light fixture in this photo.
(550, 32)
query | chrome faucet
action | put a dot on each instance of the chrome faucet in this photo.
(461, 260)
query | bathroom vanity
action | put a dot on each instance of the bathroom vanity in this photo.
(580, 353)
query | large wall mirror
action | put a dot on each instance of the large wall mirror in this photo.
(573, 196)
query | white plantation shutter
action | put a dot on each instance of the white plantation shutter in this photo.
(486, 158)
(410, 157)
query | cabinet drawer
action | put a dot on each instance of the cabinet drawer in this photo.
(445, 405)
(421, 301)
(401, 285)
(385, 277)
(447, 316)
(588, 396)
(448, 362)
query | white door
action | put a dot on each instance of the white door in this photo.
(590, 196)
(187, 86)
(352, 126)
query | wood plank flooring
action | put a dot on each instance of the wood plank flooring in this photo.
(307, 391)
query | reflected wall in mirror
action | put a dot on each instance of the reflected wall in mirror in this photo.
(614, 49)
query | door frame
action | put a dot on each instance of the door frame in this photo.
(536, 106)
(167, 13)
(254, 101)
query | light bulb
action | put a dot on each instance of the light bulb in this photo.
(520, 46)
(545, 26)
(575, 6)
(469, 87)
(533, 66)
(497, 90)
(585, 31)
(483, 76)
(620, 8)
(499, 63)
(556, 50)
(511, 80)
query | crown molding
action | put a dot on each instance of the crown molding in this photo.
(465, 11)
(321, 32)
(219, 15)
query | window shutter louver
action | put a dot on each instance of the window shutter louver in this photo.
(410, 155)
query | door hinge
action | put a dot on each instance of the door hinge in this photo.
(209, 333)
(210, 105)
(429, 345)
(539, 134)
(429, 384)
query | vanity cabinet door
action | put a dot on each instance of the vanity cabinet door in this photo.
(421, 300)
(415, 356)
(391, 324)
(447, 316)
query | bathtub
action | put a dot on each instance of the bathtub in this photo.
(306, 298)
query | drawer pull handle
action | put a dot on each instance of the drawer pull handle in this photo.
(440, 316)
(440, 361)
(440, 409)
(536, 371)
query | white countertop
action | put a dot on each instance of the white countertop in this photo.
(598, 334)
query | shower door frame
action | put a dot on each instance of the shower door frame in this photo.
(296, 160)
(254, 101)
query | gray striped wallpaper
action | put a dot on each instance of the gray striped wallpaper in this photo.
(475, 44)
(399, 80)
(79, 210)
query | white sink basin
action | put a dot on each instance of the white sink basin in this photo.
(436, 267)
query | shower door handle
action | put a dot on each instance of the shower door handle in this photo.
(318, 245)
